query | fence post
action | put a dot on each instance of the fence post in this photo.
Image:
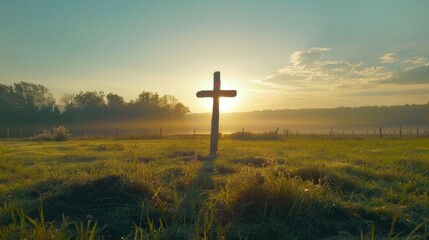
(7, 133)
(195, 132)
(287, 133)
(242, 131)
(277, 131)
(381, 133)
(160, 132)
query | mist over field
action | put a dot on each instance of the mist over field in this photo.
(360, 120)
(308, 120)
(28, 108)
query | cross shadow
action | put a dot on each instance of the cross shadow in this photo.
(197, 192)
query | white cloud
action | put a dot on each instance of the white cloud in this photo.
(416, 61)
(388, 58)
(308, 68)
(417, 75)
(307, 57)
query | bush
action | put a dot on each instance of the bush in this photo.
(44, 136)
(61, 133)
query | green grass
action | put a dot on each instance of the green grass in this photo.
(168, 188)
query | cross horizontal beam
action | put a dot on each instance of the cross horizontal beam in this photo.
(221, 93)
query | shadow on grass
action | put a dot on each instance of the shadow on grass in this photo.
(196, 193)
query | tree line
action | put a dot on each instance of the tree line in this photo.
(29, 103)
(408, 114)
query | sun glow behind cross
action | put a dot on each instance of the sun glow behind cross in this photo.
(226, 104)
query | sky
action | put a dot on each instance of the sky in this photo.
(277, 54)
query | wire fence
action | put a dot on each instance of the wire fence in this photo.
(330, 132)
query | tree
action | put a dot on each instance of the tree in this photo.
(168, 102)
(7, 103)
(115, 101)
(30, 95)
(67, 102)
(148, 98)
(90, 101)
(180, 110)
(27, 102)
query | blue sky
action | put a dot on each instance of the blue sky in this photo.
(277, 54)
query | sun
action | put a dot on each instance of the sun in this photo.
(225, 104)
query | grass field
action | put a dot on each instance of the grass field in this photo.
(168, 188)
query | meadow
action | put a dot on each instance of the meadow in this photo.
(168, 188)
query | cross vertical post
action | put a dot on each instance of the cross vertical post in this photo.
(214, 133)
(216, 93)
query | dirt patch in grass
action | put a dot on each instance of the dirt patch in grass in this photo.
(145, 159)
(28, 162)
(315, 174)
(108, 147)
(318, 175)
(281, 161)
(63, 148)
(258, 162)
(223, 170)
(187, 156)
(75, 158)
(182, 154)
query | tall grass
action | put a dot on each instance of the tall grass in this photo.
(19, 225)
(166, 188)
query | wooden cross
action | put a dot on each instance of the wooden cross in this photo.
(215, 94)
